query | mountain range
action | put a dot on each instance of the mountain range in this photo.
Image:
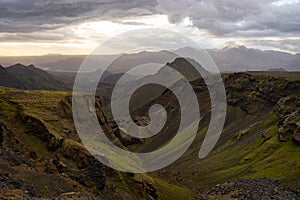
(232, 58)
(240, 58)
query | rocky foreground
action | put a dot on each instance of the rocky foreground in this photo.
(257, 188)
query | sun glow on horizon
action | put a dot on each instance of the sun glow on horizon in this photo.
(83, 38)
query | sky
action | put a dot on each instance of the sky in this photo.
(39, 27)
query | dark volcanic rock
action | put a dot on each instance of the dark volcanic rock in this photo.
(37, 128)
(10, 184)
(296, 136)
(255, 93)
(146, 185)
(92, 176)
(65, 107)
(288, 112)
(1, 134)
(33, 155)
(258, 188)
(286, 132)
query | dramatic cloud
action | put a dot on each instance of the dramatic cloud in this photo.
(273, 24)
(237, 17)
(34, 15)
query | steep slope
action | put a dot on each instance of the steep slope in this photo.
(36, 149)
(260, 137)
(41, 154)
(42, 157)
(33, 78)
(30, 78)
(8, 80)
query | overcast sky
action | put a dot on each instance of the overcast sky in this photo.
(37, 27)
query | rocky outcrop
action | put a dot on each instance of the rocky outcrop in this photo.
(15, 188)
(65, 108)
(288, 112)
(111, 129)
(296, 137)
(77, 152)
(93, 176)
(36, 127)
(253, 94)
(256, 93)
(1, 133)
(145, 185)
(251, 189)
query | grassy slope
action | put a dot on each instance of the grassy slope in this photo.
(248, 147)
(43, 106)
(249, 151)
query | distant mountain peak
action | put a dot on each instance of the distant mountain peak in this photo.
(19, 65)
(235, 46)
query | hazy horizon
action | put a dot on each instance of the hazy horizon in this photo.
(66, 54)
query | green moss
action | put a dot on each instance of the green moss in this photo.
(34, 144)
(7, 109)
(168, 191)
(271, 132)
(284, 164)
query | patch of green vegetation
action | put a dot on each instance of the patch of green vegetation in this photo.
(266, 148)
(7, 109)
(284, 164)
(32, 143)
(271, 132)
(251, 149)
(168, 191)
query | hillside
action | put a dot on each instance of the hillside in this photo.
(41, 154)
(8, 80)
(260, 137)
(29, 78)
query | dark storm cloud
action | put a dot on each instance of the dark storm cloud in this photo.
(34, 15)
(252, 20)
(237, 17)
(219, 17)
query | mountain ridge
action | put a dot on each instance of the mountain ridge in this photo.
(29, 78)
